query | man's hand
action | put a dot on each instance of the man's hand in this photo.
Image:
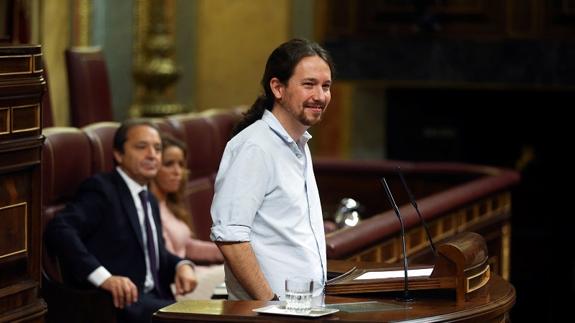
(185, 280)
(122, 289)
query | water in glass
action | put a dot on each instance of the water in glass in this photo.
(299, 302)
(298, 292)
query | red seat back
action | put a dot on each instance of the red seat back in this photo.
(62, 174)
(202, 139)
(88, 84)
(101, 136)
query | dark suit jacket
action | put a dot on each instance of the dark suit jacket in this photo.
(101, 227)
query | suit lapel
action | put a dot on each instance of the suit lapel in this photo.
(129, 207)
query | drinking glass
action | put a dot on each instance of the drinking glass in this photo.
(298, 291)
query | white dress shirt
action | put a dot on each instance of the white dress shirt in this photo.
(266, 193)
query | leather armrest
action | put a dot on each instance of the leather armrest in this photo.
(67, 304)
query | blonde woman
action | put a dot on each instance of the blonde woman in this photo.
(168, 187)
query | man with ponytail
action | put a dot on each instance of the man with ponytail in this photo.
(266, 211)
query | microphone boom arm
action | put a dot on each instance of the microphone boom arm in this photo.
(406, 297)
(412, 200)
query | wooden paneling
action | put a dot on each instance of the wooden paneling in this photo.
(489, 216)
(13, 230)
(21, 89)
(359, 19)
(559, 18)
(26, 118)
(366, 18)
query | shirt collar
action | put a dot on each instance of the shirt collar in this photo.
(133, 186)
(274, 124)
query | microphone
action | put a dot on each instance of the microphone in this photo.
(412, 200)
(406, 297)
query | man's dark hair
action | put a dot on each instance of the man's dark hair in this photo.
(281, 64)
(122, 132)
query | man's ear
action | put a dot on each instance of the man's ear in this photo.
(118, 157)
(277, 88)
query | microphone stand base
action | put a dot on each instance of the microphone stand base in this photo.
(405, 299)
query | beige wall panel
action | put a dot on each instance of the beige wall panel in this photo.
(235, 38)
(55, 37)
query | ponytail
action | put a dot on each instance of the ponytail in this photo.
(255, 113)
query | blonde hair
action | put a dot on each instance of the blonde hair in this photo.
(175, 200)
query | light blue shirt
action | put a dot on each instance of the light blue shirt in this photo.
(266, 193)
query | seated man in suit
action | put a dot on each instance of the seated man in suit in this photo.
(110, 235)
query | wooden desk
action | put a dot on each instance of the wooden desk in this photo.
(490, 304)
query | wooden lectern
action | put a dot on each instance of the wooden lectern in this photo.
(461, 265)
(490, 303)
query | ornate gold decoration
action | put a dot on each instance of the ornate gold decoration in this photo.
(506, 251)
(155, 70)
(82, 17)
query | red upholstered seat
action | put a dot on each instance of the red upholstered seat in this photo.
(203, 140)
(224, 121)
(101, 137)
(88, 84)
(61, 176)
(199, 194)
(165, 127)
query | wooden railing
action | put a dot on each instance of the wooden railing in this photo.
(452, 198)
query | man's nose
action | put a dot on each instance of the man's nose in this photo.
(151, 151)
(319, 94)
